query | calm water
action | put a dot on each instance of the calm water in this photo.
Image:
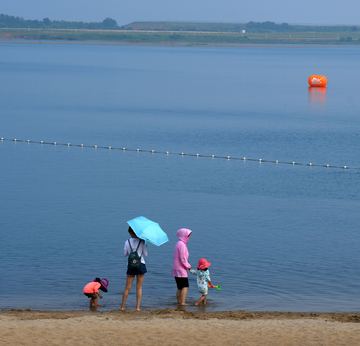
(279, 237)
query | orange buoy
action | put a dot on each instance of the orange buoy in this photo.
(317, 80)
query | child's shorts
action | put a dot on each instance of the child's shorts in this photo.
(203, 290)
(90, 295)
(181, 282)
(139, 271)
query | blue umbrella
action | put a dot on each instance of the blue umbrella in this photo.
(148, 230)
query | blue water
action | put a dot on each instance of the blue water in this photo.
(279, 236)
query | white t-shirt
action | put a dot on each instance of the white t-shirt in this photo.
(142, 250)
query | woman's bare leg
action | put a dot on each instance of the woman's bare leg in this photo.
(139, 282)
(129, 282)
(183, 294)
(178, 296)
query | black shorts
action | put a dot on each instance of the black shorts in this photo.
(181, 282)
(139, 271)
(90, 295)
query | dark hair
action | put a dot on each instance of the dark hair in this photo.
(97, 280)
(131, 231)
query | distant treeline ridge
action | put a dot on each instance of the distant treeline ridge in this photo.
(7, 21)
(13, 22)
(250, 27)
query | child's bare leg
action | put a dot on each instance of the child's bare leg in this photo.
(129, 281)
(204, 302)
(91, 302)
(200, 300)
(139, 282)
(178, 296)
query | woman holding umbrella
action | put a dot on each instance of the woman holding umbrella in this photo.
(141, 230)
(134, 243)
(181, 265)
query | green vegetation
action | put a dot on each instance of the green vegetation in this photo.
(176, 33)
(148, 37)
(250, 27)
(18, 22)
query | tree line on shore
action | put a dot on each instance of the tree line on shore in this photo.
(12, 22)
(250, 27)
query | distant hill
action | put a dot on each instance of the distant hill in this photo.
(13, 22)
(185, 26)
(250, 27)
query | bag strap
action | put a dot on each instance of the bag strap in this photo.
(130, 245)
(138, 245)
(136, 248)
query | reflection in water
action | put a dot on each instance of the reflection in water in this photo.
(317, 97)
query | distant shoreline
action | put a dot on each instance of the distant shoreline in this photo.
(177, 38)
(177, 44)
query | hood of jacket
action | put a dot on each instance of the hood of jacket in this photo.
(183, 234)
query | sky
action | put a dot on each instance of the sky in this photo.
(320, 12)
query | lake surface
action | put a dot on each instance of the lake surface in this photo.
(279, 236)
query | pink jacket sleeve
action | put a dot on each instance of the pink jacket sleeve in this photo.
(181, 263)
(184, 255)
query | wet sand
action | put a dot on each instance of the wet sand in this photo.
(177, 327)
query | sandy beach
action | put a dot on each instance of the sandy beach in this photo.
(177, 327)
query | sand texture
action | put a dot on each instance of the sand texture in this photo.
(177, 327)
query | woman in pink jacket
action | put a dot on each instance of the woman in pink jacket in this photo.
(181, 265)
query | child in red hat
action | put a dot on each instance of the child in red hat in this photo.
(203, 279)
(91, 290)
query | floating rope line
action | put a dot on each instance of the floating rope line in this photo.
(181, 154)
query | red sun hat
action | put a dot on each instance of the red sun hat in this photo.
(105, 284)
(203, 263)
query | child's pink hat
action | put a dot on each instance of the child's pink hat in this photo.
(104, 283)
(203, 263)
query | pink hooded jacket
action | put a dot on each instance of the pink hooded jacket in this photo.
(181, 254)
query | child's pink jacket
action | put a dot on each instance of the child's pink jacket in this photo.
(92, 287)
(181, 254)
